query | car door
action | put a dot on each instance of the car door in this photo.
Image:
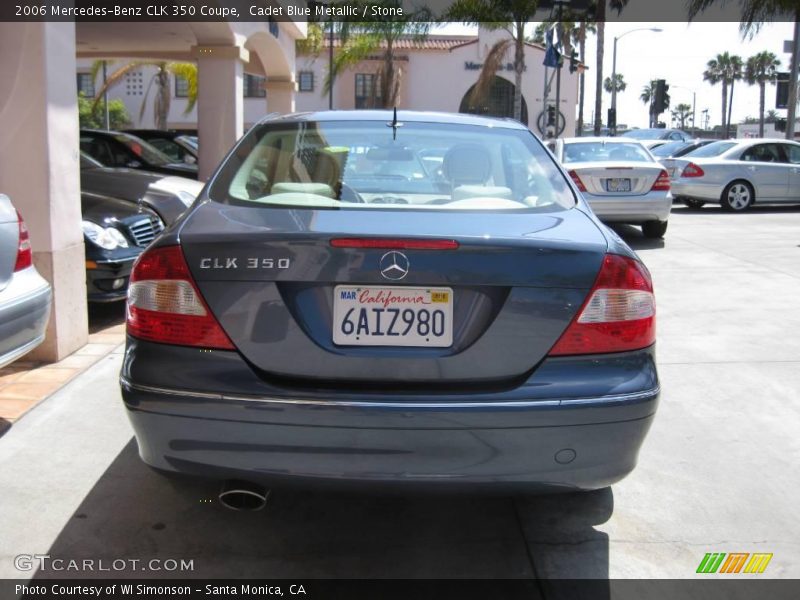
(792, 152)
(765, 166)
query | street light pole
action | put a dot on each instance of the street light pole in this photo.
(694, 102)
(613, 130)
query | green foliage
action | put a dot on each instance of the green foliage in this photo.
(92, 116)
(620, 83)
(761, 68)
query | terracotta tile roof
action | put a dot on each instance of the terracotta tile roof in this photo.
(432, 42)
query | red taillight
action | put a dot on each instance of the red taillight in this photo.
(164, 304)
(619, 314)
(662, 182)
(577, 181)
(24, 252)
(394, 244)
(692, 170)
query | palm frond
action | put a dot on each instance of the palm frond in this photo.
(494, 59)
(115, 78)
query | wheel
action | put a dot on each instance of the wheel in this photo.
(693, 204)
(738, 196)
(654, 229)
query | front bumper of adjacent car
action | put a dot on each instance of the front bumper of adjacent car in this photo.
(576, 423)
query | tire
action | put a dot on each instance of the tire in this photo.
(738, 196)
(654, 229)
(694, 204)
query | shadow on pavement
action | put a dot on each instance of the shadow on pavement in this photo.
(104, 315)
(635, 239)
(4, 426)
(715, 208)
(134, 513)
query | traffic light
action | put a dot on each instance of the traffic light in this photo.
(660, 97)
(573, 61)
(612, 118)
(551, 115)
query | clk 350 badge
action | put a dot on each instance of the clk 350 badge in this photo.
(244, 263)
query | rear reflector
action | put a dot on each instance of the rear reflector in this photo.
(577, 181)
(692, 170)
(394, 244)
(24, 251)
(619, 314)
(662, 182)
(164, 304)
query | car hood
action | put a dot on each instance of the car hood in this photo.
(102, 209)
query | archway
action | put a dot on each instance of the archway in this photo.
(499, 101)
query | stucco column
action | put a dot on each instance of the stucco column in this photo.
(220, 104)
(280, 95)
(39, 167)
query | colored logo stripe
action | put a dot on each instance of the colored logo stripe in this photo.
(758, 562)
(734, 562)
(711, 562)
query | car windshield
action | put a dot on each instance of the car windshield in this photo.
(645, 134)
(147, 152)
(369, 165)
(668, 149)
(712, 149)
(87, 162)
(188, 140)
(605, 151)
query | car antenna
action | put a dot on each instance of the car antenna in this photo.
(394, 125)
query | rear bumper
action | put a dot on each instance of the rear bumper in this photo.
(699, 190)
(649, 207)
(24, 311)
(506, 439)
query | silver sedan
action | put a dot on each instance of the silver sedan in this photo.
(737, 173)
(24, 295)
(620, 180)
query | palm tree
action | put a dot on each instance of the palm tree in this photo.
(682, 113)
(648, 96)
(600, 19)
(162, 80)
(761, 69)
(509, 15)
(576, 32)
(772, 116)
(725, 69)
(619, 83)
(361, 40)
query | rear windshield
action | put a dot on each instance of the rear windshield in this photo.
(645, 134)
(712, 149)
(605, 151)
(143, 150)
(372, 165)
(668, 149)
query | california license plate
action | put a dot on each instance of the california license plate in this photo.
(618, 185)
(392, 316)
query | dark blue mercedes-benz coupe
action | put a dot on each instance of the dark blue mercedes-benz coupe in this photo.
(391, 298)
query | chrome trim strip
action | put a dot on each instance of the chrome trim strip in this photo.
(615, 399)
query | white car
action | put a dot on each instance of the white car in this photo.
(620, 179)
(737, 173)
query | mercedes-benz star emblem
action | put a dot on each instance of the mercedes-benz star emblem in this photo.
(394, 265)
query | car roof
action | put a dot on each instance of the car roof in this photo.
(603, 139)
(402, 115)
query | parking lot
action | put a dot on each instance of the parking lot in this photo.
(718, 472)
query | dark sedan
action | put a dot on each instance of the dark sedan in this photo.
(178, 145)
(331, 311)
(117, 149)
(115, 233)
(167, 195)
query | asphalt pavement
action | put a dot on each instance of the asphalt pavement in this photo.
(718, 471)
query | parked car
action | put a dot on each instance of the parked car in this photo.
(677, 149)
(167, 195)
(656, 133)
(620, 180)
(307, 322)
(115, 232)
(179, 146)
(25, 296)
(738, 173)
(117, 149)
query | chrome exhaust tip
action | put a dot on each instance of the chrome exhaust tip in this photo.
(243, 495)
